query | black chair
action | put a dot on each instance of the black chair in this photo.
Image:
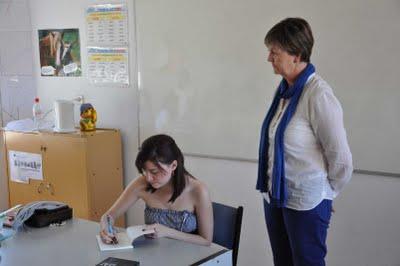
(227, 226)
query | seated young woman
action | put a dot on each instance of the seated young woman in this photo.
(178, 205)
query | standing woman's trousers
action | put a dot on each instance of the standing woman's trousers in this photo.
(298, 237)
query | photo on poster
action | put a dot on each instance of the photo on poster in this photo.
(60, 53)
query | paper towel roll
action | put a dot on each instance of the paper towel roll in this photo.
(64, 116)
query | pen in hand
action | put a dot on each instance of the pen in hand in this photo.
(111, 230)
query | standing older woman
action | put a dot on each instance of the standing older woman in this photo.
(304, 157)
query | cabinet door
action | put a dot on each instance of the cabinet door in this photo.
(65, 168)
(21, 193)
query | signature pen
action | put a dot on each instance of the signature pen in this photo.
(111, 230)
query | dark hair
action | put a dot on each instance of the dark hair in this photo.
(294, 35)
(163, 149)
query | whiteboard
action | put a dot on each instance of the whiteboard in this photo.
(205, 80)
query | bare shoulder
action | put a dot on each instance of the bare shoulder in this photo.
(138, 185)
(199, 189)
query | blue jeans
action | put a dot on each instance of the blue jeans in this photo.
(298, 237)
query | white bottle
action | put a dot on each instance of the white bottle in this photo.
(37, 114)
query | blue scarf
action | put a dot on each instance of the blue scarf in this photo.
(278, 193)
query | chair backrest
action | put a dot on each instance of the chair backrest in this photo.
(227, 227)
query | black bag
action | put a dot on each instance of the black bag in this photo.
(45, 217)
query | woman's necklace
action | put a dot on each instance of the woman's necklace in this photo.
(281, 107)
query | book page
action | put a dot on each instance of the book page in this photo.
(124, 242)
(138, 230)
(125, 238)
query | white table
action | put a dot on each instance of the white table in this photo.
(75, 244)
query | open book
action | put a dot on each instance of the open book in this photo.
(125, 239)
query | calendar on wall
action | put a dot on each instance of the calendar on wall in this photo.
(107, 44)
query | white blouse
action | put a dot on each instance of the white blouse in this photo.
(318, 161)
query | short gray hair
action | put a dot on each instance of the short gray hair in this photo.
(294, 35)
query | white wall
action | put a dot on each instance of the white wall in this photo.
(116, 106)
(190, 70)
(17, 88)
(16, 73)
(364, 228)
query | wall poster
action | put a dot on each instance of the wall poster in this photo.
(60, 52)
(108, 65)
(107, 44)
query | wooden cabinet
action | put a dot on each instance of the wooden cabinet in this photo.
(3, 175)
(84, 170)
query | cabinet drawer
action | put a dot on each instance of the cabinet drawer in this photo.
(21, 193)
(65, 169)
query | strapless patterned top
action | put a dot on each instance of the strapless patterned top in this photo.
(184, 221)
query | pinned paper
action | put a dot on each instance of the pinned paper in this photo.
(24, 166)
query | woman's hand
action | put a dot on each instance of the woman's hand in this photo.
(107, 231)
(159, 230)
(108, 238)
